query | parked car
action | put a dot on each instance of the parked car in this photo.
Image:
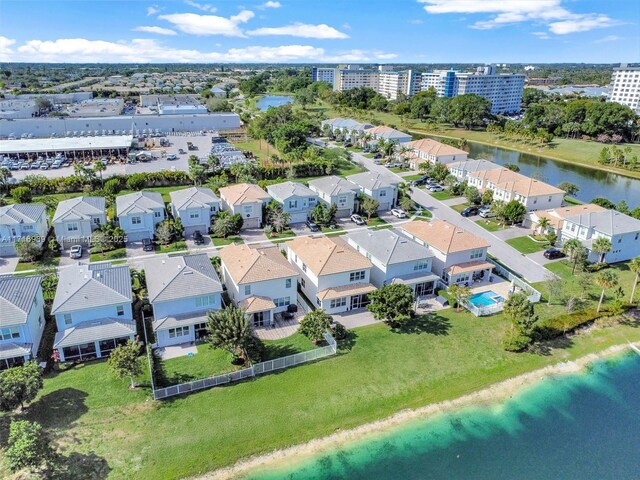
(470, 211)
(553, 253)
(181, 151)
(75, 251)
(312, 226)
(485, 212)
(147, 245)
(434, 187)
(377, 155)
(348, 144)
(365, 150)
(198, 239)
(25, 166)
(172, 157)
(44, 166)
(398, 212)
(394, 165)
(357, 219)
(35, 165)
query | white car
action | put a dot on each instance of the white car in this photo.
(435, 188)
(172, 157)
(486, 213)
(398, 212)
(76, 251)
(357, 219)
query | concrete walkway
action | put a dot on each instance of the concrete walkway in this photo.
(355, 318)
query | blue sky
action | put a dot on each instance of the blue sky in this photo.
(321, 31)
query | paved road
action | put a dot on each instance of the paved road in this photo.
(516, 261)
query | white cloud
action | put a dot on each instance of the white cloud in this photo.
(271, 4)
(209, 24)
(201, 6)
(416, 21)
(5, 50)
(541, 35)
(608, 38)
(551, 13)
(152, 10)
(386, 56)
(158, 30)
(301, 30)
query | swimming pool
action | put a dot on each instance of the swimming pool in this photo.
(485, 299)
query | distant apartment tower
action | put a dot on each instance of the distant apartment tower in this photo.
(503, 90)
(391, 83)
(323, 74)
(625, 87)
(384, 79)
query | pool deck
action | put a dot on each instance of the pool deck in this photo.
(498, 285)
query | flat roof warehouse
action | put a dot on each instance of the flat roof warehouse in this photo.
(67, 144)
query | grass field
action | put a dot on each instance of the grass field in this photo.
(260, 148)
(116, 254)
(219, 242)
(526, 245)
(490, 225)
(375, 222)
(172, 247)
(121, 434)
(459, 208)
(48, 260)
(443, 195)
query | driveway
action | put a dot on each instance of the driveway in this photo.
(254, 235)
(392, 219)
(300, 229)
(515, 231)
(450, 202)
(522, 265)
(538, 257)
(8, 264)
(355, 318)
(66, 260)
(191, 245)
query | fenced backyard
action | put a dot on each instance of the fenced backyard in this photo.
(245, 373)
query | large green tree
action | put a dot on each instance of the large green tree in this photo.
(125, 361)
(19, 385)
(392, 303)
(230, 329)
(469, 110)
(315, 324)
(28, 447)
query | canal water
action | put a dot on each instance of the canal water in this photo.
(273, 101)
(575, 427)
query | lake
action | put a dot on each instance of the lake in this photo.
(593, 183)
(573, 427)
(273, 101)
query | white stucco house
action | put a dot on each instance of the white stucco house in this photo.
(621, 230)
(92, 308)
(333, 275)
(382, 132)
(246, 199)
(259, 280)
(296, 199)
(336, 190)
(430, 151)
(22, 319)
(138, 214)
(460, 257)
(396, 259)
(182, 290)
(76, 218)
(462, 169)
(194, 207)
(21, 220)
(379, 186)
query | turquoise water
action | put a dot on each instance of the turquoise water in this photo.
(484, 299)
(273, 101)
(577, 427)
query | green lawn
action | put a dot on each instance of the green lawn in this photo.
(116, 254)
(220, 242)
(459, 208)
(332, 231)
(490, 224)
(410, 178)
(172, 247)
(375, 222)
(113, 430)
(260, 148)
(443, 195)
(284, 234)
(527, 245)
(46, 261)
(399, 169)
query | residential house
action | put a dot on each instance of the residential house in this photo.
(379, 186)
(507, 185)
(194, 207)
(93, 310)
(459, 255)
(428, 150)
(139, 213)
(556, 216)
(76, 218)
(462, 169)
(621, 230)
(352, 129)
(382, 132)
(22, 319)
(21, 220)
(259, 280)
(296, 199)
(333, 275)
(336, 190)
(247, 200)
(396, 259)
(182, 290)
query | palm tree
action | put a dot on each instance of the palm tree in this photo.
(100, 167)
(575, 250)
(230, 329)
(606, 279)
(459, 293)
(543, 225)
(601, 245)
(634, 266)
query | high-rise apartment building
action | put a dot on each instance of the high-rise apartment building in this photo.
(384, 80)
(625, 87)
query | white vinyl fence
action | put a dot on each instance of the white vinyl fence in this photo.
(250, 372)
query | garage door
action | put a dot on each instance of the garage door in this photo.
(342, 213)
(137, 236)
(251, 223)
(7, 250)
(299, 217)
(384, 206)
(192, 228)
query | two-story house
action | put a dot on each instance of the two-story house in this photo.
(382, 132)
(139, 213)
(621, 230)
(93, 310)
(182, 290)
(296, 199)
(21, 319)
(259, 280)
(459, 255)
(430, 151)
(194, 207)
(462, 169)
(556, 216)
(76, 218)
(396, 259)
(352, 129)
(247, 200)
(379, 186)
(333, 275)
(336, 190)
(21, 220)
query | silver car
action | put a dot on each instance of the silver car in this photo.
(75, 251)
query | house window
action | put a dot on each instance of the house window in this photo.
(247, 289)
(27, 227)
(9, 333)
(157, 214)
(282, 302)
(136, 220)
(293, 204)
(67, 319)
(194, 214)
(383, 193)
(247, 209)
(72, 227)
(205, 300)
(304, 267)
(178, 332)
(421, 265)
(342, 199)
(477, 253)
(302, 284)
(213, 209)
(120, 310)
(338, 302)
(287, 283)
(356, 276)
